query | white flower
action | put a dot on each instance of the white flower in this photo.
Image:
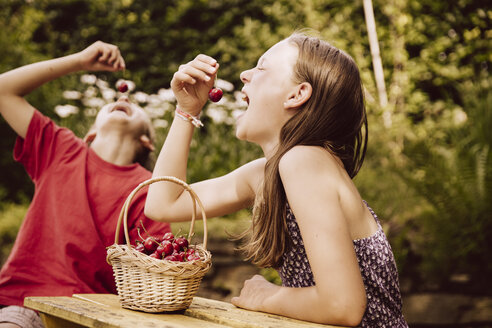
(88, 79)
(66, 110)
(459, 117)
(160, 123)
(108, 94)
(90, 92)
(94, 102)
(217, 114)
(141, 97)
(90, 112)
(166, 95)
(224, 85)
(72, 94)
(102, 84)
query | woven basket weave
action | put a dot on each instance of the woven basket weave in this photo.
(152, 285)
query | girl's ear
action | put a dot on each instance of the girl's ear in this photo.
(299, 95)
(146, 143)
(90, 136)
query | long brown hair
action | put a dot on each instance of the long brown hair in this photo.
(333, 118)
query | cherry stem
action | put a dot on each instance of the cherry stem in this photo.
(153, 238)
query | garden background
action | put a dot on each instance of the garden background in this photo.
(428, 169)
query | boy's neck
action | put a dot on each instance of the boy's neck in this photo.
(115, 149)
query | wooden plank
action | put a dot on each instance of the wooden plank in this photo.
(50, 321)
(219, 312)
(106, 312)
(226, 313)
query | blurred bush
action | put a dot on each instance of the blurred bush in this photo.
(11, 216)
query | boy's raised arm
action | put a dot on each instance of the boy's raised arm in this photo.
(17, 83)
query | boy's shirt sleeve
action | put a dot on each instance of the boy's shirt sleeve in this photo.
(44, 144)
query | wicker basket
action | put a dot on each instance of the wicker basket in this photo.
(152, 285)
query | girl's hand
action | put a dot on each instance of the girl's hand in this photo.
(192, 82)
(254, 293)
(101, 56)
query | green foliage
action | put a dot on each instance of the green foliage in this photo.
(454, 175)
(11, 216)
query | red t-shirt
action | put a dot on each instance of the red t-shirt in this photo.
(61, 246)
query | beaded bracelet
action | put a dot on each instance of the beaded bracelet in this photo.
(189, 118)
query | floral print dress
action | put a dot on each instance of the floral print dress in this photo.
(377, 267)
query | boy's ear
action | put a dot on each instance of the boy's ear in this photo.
(90, 136)
(146, 143)
(299, 95)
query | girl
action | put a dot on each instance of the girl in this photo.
(79, 188)
(306, 112)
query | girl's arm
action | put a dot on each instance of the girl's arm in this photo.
(17, 83)
(339, 296)
(167, 201)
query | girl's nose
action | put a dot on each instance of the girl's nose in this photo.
(245, 76)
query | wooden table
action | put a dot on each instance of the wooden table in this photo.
(105, 311)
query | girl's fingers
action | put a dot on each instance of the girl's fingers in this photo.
(206, 59)
(207, 65)
(196, 73)
(181, 77)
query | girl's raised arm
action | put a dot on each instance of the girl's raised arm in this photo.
(220, 196)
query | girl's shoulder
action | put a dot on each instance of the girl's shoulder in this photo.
(311, 160)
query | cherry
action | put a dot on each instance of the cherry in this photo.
(167, 247)
(170, 258)
(156, 255)
(140, 247)
(168, 236)
(192, 255)
(150, 245)
(159, 249)
(179, 256)
(193, 258)
(176, 247)
(215, 94)
(122, 86)
(182, 242)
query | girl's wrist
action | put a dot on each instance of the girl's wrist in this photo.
(185, 116)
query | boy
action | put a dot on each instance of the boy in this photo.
(79, 187)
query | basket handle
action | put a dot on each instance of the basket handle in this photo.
(124, 210)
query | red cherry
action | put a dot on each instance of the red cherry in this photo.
(140, 247)
(194, 258)
(182, 242)
(215, 94)
(167, 247)
(170, 258)
(159, 249)
(156, 255)
(179, 256)
(122, 86)
(176, 247)
(191, 255)
(168, 236)
(150, 244)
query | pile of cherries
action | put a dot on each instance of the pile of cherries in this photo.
(168, 248)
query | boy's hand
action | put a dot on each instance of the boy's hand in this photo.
(101, 56)
(192, 82)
